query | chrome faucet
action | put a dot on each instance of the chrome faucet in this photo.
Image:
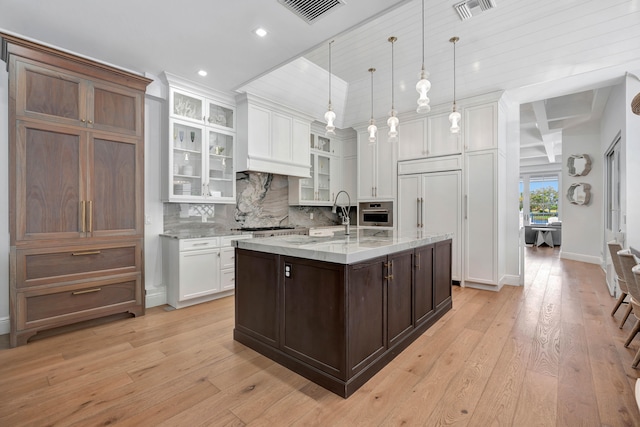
(343, 210)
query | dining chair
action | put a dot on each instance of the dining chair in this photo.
(614, 248)
(636, 274)
(628, 261)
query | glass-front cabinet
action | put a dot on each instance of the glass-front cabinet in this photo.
(201, 162)
(316, 190)
(199, 109)
(201, 147)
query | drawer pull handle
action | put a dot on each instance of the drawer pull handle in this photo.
(389, 277)
(85, 253)
(86, 291)
(201, 244)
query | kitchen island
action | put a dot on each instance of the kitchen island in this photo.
(337, 309)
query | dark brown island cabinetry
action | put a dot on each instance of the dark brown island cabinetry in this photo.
(339, 324)
(76, 183)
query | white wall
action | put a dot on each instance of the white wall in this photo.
(582, 225)
(153, 133)
(631, 139)
(4, 199)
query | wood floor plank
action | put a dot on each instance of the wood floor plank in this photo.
(547, 353)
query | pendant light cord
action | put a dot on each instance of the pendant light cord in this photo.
(423, 23)
(392, 40)
(371, 70)
(330, 43)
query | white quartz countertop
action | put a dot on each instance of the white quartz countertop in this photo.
(360, 245)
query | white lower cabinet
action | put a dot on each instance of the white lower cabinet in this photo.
(198, 270)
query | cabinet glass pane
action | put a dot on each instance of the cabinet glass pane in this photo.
(219, 115)
(187, 160)
(324, 144)
(307, 185)
(187, 106)
(221, 176)
(324, 181)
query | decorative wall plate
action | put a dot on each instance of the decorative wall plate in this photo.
(579, 194)
(579, 164)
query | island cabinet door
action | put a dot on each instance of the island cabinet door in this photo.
(423, 284)
(313, 324)
(399, 296)
(442, 274)
(257, 295)
(367, 332)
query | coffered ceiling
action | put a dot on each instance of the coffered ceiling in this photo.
(536, 50)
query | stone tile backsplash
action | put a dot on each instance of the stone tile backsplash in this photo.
(262, 200)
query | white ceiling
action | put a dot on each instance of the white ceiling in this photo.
(535, 50)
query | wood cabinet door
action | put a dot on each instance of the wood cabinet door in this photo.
(313, 322)
(50, 182)
(115, 109)
(366, 313)
(257, 295)
(441, 142)
(399, 296)
(386, 166)
(199, 273)
(423, 284)
(49, 93)
(115, 199)
(442, 273)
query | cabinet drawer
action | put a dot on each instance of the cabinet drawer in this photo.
(227, 258)
(44, 266)
(227, 280)
(196, 244)
(228, 240)
(58, 304)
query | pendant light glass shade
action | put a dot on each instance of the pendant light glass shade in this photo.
(330, 116)
(392, 121)
(372, 129)
(423, 84)
(455, 116)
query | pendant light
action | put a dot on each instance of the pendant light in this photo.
(372, 129)
(423, 84)
(330, 116)
(454, 117)
(392, 121)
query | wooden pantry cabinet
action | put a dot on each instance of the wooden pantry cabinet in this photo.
(76, 189)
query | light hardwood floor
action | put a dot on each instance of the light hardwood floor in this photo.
(544, 354)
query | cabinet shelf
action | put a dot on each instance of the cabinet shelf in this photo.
(221, 179)
(186, 176)
(186, 150)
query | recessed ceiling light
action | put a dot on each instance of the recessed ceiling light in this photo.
(202, 73)
(260, 32)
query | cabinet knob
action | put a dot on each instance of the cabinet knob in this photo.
(90, 122)
(82, 120)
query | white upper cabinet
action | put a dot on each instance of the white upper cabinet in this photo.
(480, 126)
(427, 137)
(413, 139)
(377, 167)
(441, 141)
(271, 138)
(198, 159)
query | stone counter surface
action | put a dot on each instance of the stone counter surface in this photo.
(360, 245)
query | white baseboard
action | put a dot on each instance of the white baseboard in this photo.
(511, 279)
(482, 286)
(4, 325)
(156, 297)
(580, 257)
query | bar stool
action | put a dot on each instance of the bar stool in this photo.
(614, 248)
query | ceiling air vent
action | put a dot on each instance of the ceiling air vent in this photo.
(311, 10)
(470, 8)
